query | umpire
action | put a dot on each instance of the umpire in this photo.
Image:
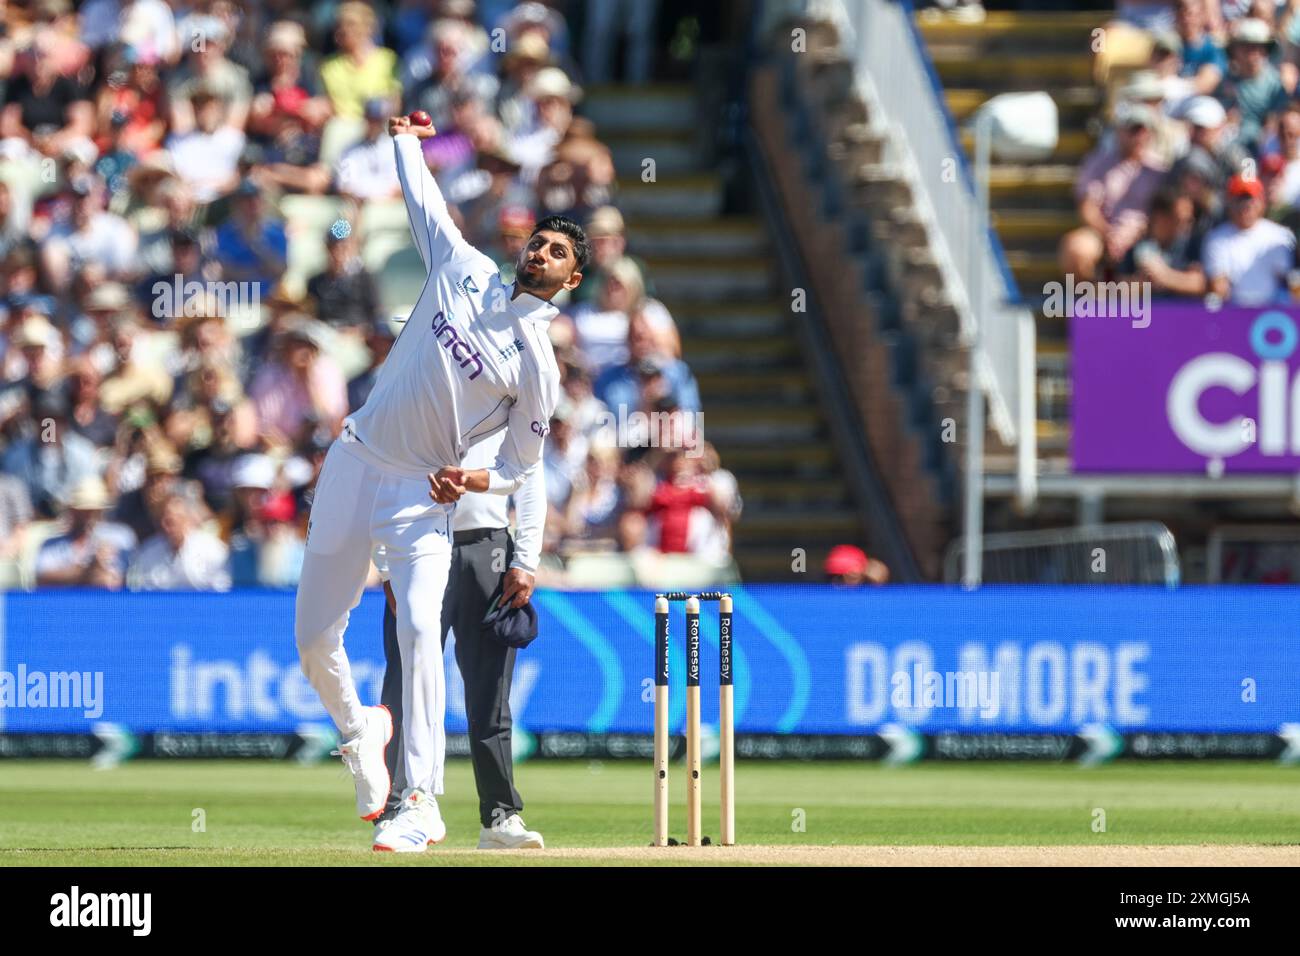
(488, 569)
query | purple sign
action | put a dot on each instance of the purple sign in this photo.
(1193, 391)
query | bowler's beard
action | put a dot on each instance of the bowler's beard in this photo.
(533, 284)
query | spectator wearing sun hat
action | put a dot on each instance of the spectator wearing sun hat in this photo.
(607, 234)
(1209, 137)
(541, 21)
(92, 552)
(1112, 192)
(140, 508)
(553, 96)
(252, 479)
(1248, 257)
(1169, 137)
(1252, 87)
(41, 348)
(602, 325)
(525, 56)
(484, 192)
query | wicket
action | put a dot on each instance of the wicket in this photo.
(726, 717)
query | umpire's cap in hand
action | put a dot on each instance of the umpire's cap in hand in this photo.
(512, 626)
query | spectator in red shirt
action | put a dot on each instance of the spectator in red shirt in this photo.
(675, 496)
(136, 94)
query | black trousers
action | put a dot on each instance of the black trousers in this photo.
(479, 560)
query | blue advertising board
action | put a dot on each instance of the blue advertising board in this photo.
(808, 660)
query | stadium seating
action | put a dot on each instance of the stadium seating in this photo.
(1032, 203)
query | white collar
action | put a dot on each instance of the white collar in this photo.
(528, 306)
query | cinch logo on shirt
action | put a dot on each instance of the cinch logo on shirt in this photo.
(511, 350)
(452, 342)
(466, 285)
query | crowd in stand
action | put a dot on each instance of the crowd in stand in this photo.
(1195, 187)
(162, 439)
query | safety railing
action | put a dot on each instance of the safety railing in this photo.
(896, 79)
(1140, 552)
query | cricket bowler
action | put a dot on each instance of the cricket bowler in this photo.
(489, 567)
(473, 359)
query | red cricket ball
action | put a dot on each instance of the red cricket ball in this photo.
(420, 118)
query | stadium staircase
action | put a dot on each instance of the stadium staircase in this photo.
(867, 257)
(715, 271)
(1032, 204)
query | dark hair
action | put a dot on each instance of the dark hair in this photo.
(567, 227)
(1166, 200)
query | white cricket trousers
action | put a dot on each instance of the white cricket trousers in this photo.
(360, 504)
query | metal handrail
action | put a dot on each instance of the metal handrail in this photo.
(896, 79)
(1060, 548)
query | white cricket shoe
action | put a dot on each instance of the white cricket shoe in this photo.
(418, 823)
(364, 757)
(509, 834)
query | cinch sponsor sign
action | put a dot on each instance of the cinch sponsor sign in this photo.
(1196, 391)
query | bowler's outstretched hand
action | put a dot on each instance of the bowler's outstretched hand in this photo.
(403, 124)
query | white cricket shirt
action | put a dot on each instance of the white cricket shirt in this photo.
(470, 360)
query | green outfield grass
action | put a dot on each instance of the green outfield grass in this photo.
(55, 813)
